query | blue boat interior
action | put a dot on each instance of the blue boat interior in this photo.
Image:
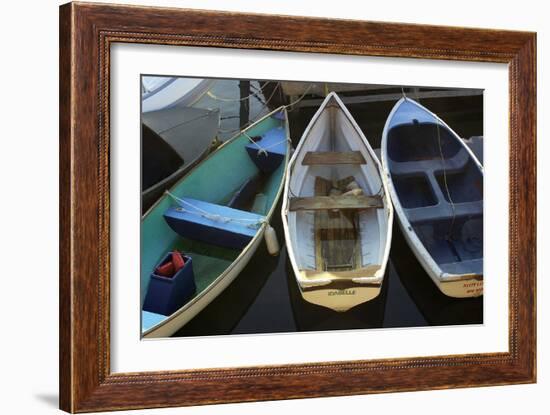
(268, 150)
(149, 319)
(440, 188)
(227, 184)
(457, 247)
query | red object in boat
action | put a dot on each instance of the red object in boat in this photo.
(178, 261)
(166, 270)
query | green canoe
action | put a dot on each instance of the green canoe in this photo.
(216, 180)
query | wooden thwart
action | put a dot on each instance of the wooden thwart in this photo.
(359, 272)
(335, 202)
(333, 157)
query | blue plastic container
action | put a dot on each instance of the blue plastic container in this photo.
(165, 295)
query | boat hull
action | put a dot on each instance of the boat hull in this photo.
(169, 92)
(417, 210)
(181, 318)
(189, 132)
(464, 286)
(318, 236)
(215, 266)
(341, 299)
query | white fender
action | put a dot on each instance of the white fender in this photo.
(271, 240)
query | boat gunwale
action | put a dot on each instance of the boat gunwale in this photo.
(155, 91)
(206, 82)
(473, 276)
(341, 284)
(149, 332)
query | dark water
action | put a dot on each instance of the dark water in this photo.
(264, 298)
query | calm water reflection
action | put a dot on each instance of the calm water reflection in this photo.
(265, 298)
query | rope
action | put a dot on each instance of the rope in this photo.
(268, 100)
(380, 191)
(299, 99)
(224, 99)
(286, 140)
(445, 181)
(250, 223)
(259, 91)
(253, 119)
(186, 122)
(262, 150)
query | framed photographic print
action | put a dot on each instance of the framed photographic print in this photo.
(255, 209)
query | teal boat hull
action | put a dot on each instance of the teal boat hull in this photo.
(215, 180)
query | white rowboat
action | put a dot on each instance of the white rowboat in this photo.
(337, 215)
(159, 92)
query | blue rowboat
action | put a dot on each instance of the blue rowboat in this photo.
(436, 185)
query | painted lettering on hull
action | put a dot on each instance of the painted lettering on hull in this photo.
(341, 292)
(474, 288)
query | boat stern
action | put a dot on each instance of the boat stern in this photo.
(461, 286)
(341, 299)
(338, 290)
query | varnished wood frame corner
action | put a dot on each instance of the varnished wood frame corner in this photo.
(86, 33)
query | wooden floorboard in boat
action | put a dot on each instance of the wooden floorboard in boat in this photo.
(336, 235)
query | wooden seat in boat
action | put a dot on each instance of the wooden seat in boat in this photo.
(313, 158)
(359, 272)
(335, 202)
(212, 223)
(456, 163)
(444, 210)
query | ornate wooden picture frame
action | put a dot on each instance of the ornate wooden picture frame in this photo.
(87, 32)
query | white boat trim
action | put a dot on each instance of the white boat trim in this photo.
(175, 91)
